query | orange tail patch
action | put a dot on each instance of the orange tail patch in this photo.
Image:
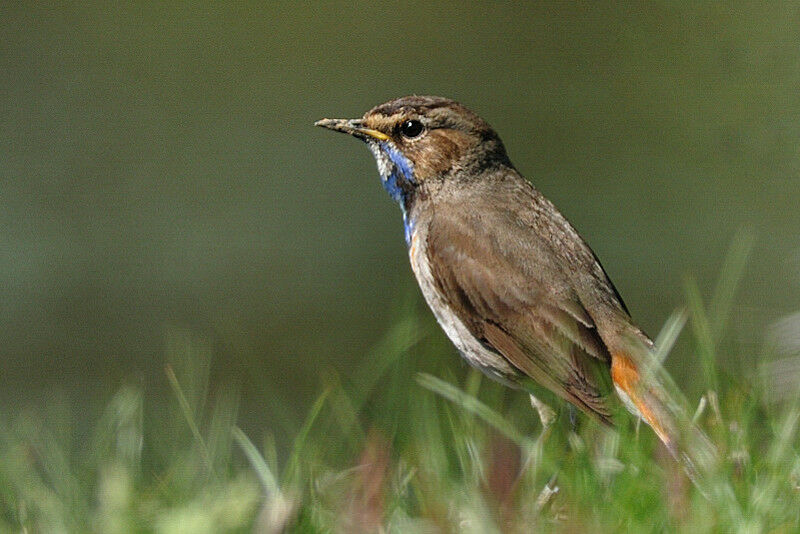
(635, 396)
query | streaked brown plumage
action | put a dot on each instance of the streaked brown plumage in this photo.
(514, 286)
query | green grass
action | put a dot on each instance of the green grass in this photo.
(404, 444)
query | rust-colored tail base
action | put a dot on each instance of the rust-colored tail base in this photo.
(649, 401)
(641, 400)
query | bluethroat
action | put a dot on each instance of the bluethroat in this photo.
(511, 282)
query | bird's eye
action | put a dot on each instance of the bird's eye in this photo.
(411, 128)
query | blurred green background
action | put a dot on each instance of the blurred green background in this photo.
(159, 170)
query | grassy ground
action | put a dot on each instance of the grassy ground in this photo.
(403, 445)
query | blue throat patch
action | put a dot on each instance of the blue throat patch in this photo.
(402, 171)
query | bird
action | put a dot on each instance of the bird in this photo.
(513, 285)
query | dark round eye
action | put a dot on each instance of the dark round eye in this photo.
(411, 128)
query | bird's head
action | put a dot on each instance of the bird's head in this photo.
(420, 139)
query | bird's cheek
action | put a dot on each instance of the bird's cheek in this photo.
(439, 157)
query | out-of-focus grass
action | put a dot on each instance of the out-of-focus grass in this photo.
(402, 444)
(51, 481)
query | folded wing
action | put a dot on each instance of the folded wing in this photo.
(519, 303)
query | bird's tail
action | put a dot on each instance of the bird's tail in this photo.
(644, 395)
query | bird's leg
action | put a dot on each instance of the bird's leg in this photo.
(546, 413)
(548, 492)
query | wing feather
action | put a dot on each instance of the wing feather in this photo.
(519, 306)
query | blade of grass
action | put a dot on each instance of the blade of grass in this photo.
(728, 281)
(663, 345)
(292, 465)
(401, 337)
(669, 333)
(766, 494)
(223, 419)
(257, 462)
(701, 326)
(187, 413)
(475, 406)
(345, 416)
(709, 323)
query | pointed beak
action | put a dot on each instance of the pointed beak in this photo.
(353, 127)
